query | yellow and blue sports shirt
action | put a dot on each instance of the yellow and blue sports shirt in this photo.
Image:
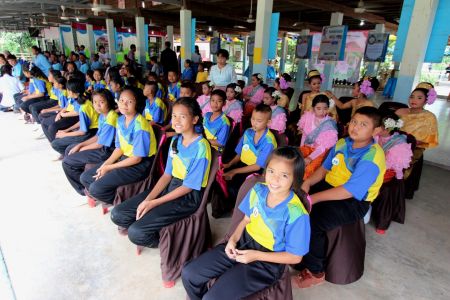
(283, 228)
(360, 171)
(138, 139)
(173, 91)
(62, 98)
(155, 111)
(53, 93)
(37, 86)
(191, 164)
(73, 105)
(98, 85)
(258, 153)
(160, 93)
(107, 128)
(219, 129)
(88, 116)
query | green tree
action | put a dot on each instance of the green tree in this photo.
(16, 42)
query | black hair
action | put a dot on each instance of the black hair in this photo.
(90, 74)
(117, 79)
(77, 75)
(132, 46)
(372, 113)
(424, 91)
(37, 73)
(36, 48)
(61, 80)
(188, 61)
(55, 73)
(205, 82)
(71, 63)
(11, 56)
(82, 46)
(98, 70)
(224, 53)
(264, 108)
(289, 92)
(154, 86)
(108, 96)
(154, 58)
(168, 44)
(269, 90)
(76, 85)
(152, 74)
(6, 69)
(241, 83)
(233, 87)
(310, 78)
(188, 85)
(320, 99)
(294, 155)
(138, 95)
(173, 71)
(261, 81)
(96, 56)
(194, 109)
(221, 94)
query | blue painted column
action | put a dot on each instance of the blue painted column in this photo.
(416, 23)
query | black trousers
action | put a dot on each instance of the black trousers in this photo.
(73, 165)
(18, 100)
(234, 280)
(25, 106)
(36, 108)
(326, 216)
(50, 127)
(60, 145)
(145, 231)
(104, 189)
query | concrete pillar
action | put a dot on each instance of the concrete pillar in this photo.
(110, 32)
(169, 36)
(372, 67)
(327, 84)
(141, 51)
(284, 49)
(301, 68)
(263, 20)
(244, 57)
(216, 34)
(91, 40)
(418, 35)
(186, 36)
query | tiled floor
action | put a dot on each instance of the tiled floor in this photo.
(56, 247)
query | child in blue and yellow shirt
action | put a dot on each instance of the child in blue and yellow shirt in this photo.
(173, 89)
(96, 149)
(88, 119)
(216, 123)
(252, 152)
(343, 188)
(99, 83)
(178, 193)
(274, 231)
(135, 149)
(155, 109)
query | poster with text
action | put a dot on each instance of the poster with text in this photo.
(303, 47)
(376, 47)
(332, 45)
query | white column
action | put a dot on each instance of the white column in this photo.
(372, 67)
(140, 36)
(169, 36)
(91, 40)
(301, 68)
(216, 34)
(111, 40)
(262, 34)
(327, 84)
(186, 36)
(284, 49)
(419, 31)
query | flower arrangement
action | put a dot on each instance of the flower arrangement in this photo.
(211, 84)
(391, 124)
(259, 76)
(237, 89)
(276, 95)
(366, 88)
(431, 96)
(284, 84)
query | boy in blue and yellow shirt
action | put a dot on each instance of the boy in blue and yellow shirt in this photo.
(216, 123)
(252, 152)
(155, 109)
(343, 188)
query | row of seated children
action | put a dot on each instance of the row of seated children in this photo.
(189, 154)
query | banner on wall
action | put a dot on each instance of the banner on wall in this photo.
(66, 36)
(348, 68)
(332, 44)
(376, 47)
(250, 44)
(214, 45)
(303, 47)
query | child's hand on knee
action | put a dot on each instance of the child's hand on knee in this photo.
(144, 208)
(246, 256)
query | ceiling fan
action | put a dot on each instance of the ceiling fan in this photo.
(250, 16)
(361, 8)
